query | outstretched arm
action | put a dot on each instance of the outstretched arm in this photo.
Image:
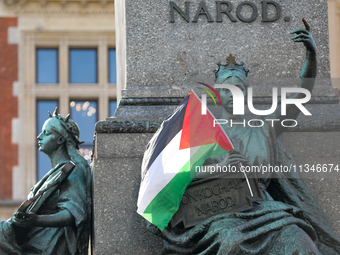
(307, 76)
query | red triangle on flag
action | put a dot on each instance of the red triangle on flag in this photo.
(199, 129)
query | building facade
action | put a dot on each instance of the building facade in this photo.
(53, 53)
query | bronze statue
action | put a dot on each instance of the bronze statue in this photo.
(56, 217)
(288, 220)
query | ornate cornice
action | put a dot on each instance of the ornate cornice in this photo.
(61, 7)
(115, 126)
(62, 2)
(151, 101)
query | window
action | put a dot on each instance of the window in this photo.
(47, 65)
(84, 113)
(112, 66)
(43, 162)
(113, 107)
(65, 68)
(83, 65)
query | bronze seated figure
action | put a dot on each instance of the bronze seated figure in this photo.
(287, 220)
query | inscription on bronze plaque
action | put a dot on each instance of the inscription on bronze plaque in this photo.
(208, 197)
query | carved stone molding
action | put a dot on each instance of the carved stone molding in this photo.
(151, 101)
(115, 126)
(61, 7)
(62, 2)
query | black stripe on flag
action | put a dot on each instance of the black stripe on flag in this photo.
(166, 132)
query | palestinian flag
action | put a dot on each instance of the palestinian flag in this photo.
(184, 140)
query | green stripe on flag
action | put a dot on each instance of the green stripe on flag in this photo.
(166, 203)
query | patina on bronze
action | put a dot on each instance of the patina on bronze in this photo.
(34, 204)
(212, 196)
(56, 217)
(288, 220)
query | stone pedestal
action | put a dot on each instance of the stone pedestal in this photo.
(119, 150)
(160, 60)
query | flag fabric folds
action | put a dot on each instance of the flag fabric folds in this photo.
(184, 140)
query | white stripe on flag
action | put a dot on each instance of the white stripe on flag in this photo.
(168, 163)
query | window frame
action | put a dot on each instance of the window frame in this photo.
(36, 128)
(97, 114)
(84, 99)
(111, 100)
(109, 64)
(71, 47)
(31, 91)
(36, 64)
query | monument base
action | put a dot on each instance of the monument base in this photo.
(119, 147)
